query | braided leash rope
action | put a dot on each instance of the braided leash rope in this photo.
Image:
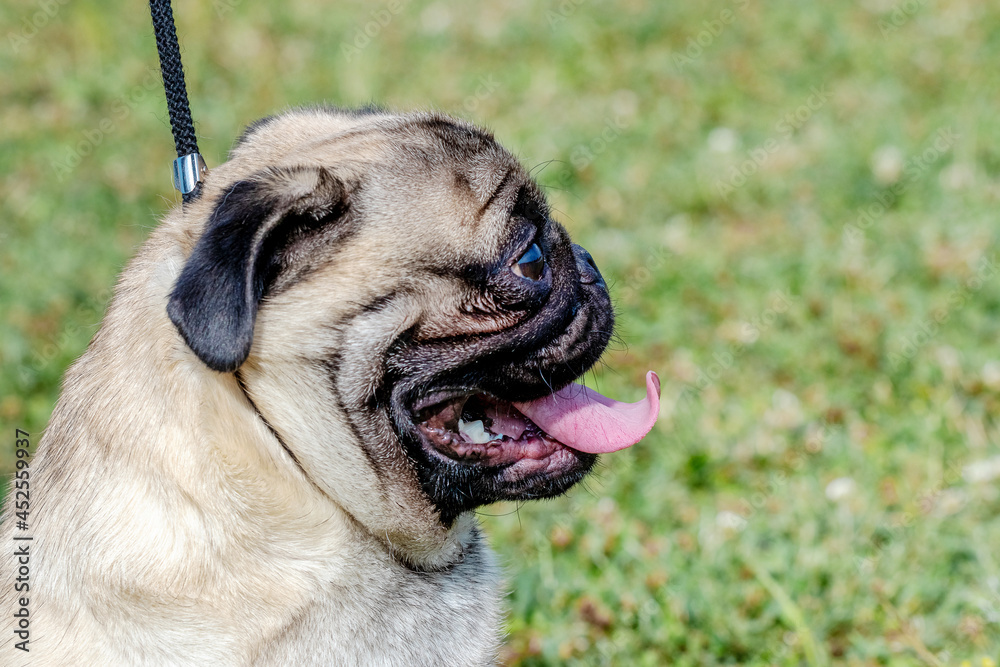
(189, 167)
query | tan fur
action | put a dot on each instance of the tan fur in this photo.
(171, 527)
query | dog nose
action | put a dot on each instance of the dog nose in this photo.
(585, 264)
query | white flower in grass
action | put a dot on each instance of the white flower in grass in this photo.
(991, 374)
(887, 165)
(730, 522)
(841, 488)
(980, 472)
(723, 140)
(786, 410)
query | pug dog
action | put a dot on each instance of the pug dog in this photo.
(364, 327)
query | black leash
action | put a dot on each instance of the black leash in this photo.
(189, 167)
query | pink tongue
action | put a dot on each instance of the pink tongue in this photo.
(581, 418)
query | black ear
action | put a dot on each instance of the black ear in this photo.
(214, 302)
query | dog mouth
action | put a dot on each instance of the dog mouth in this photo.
(484, 429)
(533, 437)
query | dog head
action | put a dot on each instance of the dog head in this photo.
(394, 296)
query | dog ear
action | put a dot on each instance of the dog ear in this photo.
(214, 301)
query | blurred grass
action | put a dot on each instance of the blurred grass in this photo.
(828, 376)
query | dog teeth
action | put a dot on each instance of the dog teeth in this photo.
(474, 431)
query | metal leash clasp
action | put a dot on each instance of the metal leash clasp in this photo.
(189, 171)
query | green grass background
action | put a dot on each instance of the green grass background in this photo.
(800, 342)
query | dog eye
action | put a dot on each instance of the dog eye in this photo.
(531, 265)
